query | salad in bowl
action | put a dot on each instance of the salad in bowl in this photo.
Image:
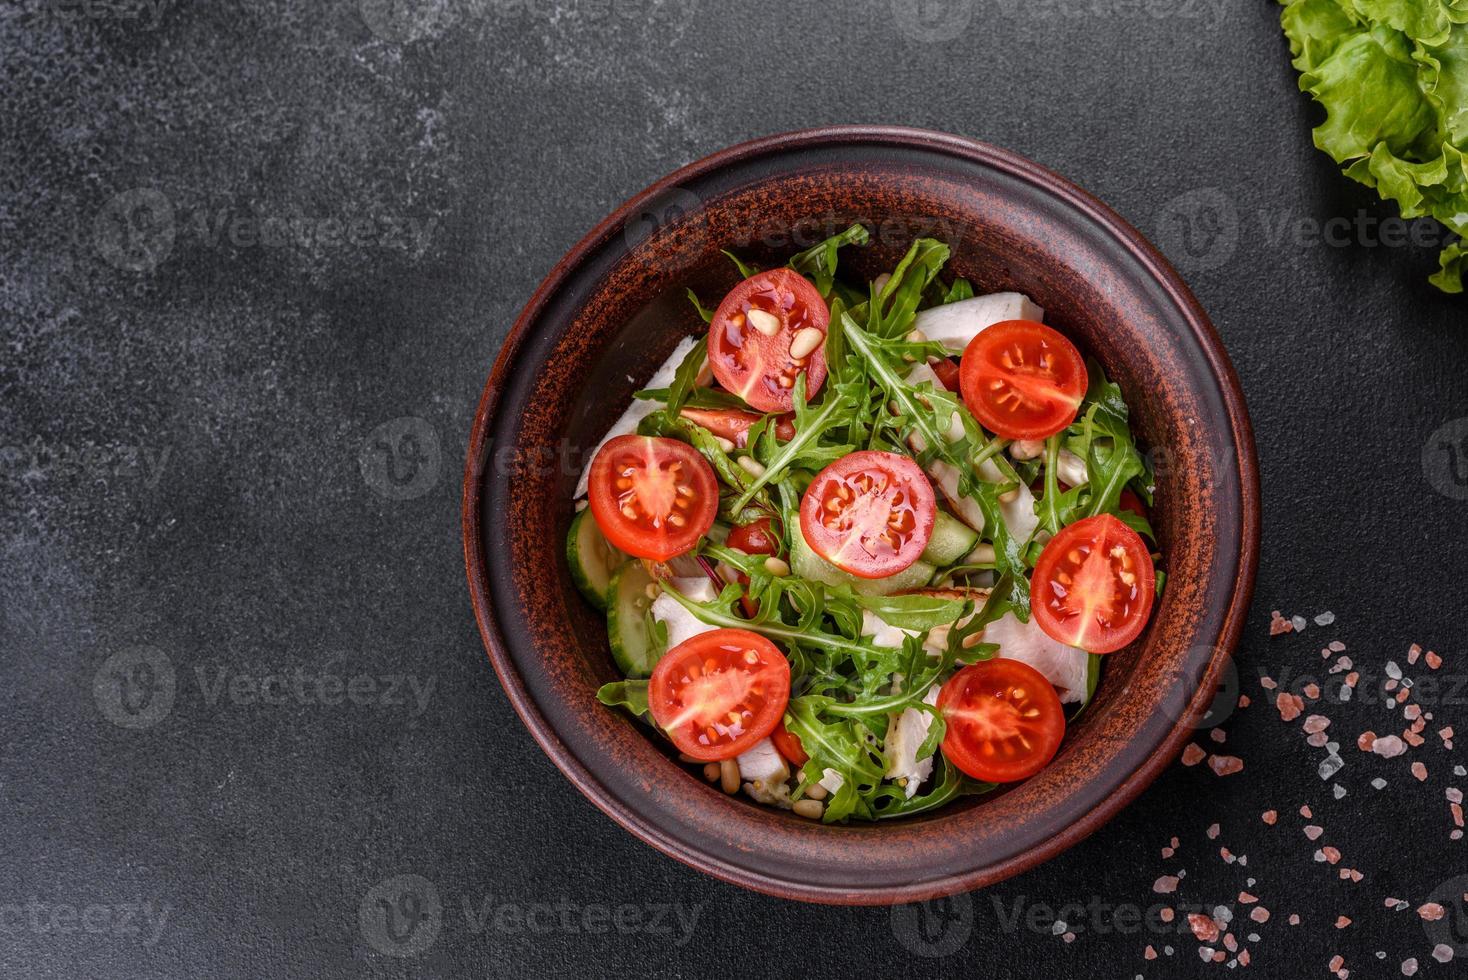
(862, 548)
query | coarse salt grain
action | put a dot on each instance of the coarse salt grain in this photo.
(1316, 723)
(1269, 816)
(1339, 791)
(1431, 912)
(1325, 618)
(1212, 831)
(1259, 914)
(1442, 952)
(1278, 624)
(1420, 771)
(1165, 885)
(1246, 899)
(1192, 755)
(1225, 765)
(1205, 930)
(1342, 921)
(1413, 652)
(1290, 705)
(1298, 622)
(1312, 691)
(1409, 968)
(1433, 660)
(1388, 747)
(1313, 832)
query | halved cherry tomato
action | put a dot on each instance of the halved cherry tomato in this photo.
(1003, 720)
(652, 498)
(755, 538)
(1093, 585)
(869, 513)
(787, 743)
(751, 333)
(1022, 379)
(734, 424)
(947, 372)
(718, 693)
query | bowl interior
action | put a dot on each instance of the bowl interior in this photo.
(613, 311)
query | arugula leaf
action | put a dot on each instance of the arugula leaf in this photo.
(744, 270)
(811, 424)
(706, 314)
(697, 398)
(818, 263)
(686, 377)
(631, 694)
(912, 612)
(891, 310)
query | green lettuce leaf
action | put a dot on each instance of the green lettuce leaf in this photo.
(1392, 76)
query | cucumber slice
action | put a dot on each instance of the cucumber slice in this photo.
(592, 558)
(951, 540)
(807, 564)
(633, 648)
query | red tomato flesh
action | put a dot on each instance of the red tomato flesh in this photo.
(1003, 720)
(755, 363)
(755, 538)
(652, 498)
(869, 513)
(947, 372)
(734, 424)
(1093, 585)
(718, 693)
(787, 743)
(1022, 379)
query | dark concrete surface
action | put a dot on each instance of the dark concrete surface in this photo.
(243, 692)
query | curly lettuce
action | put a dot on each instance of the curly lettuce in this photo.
(1392, 76)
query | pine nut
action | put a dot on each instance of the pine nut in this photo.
(652, 593)
(725, 444)
(711, 772)
(751, 466)
(810, 809)
(729, 776)
(766, 323)
(777, 567)
(1009, 496)
(916, 337)
(1026, 448)
(806, 342)
(816, 792)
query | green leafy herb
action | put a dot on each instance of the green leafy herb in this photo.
(818, 264)
(1392, 76)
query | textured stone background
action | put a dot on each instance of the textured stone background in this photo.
(194, 496)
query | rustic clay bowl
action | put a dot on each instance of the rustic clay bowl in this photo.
(613, 308)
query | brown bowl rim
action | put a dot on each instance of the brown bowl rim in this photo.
(1141, 250)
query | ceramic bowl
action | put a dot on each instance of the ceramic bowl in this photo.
(614, 307)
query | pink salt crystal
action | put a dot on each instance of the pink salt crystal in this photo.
(1409, 967)
(1337, 646)
(1312, 691)
(1313, 832)
(1434, 661)
(1165, 885)
(1316, 723)
(1445, 733)
(1289, 705)
(1306, 812)
(1431, 912)
(1412, 712)
(1317, 739)
(1244, 958)
(1166, 915)
(1246, 899)
(1149, 953)
(1168, 852)
(1413, 653)
(1192, 755)
(1342, 921)
(1294, 920)
(1218, 735)
(1420, 771)
(1365, 741)
(1278, 624)
(1388, 747)
(1259, 913)
(1442, 952)
(1269, 817)
(1244, 701)
(1204, 928)
(1212, 831)
(1352, 678)
(1412, 738)
(1331, 854)
(1336, 962)
(1225, 765)
(1266, 682)
(1069, 937)
(1356, 875)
